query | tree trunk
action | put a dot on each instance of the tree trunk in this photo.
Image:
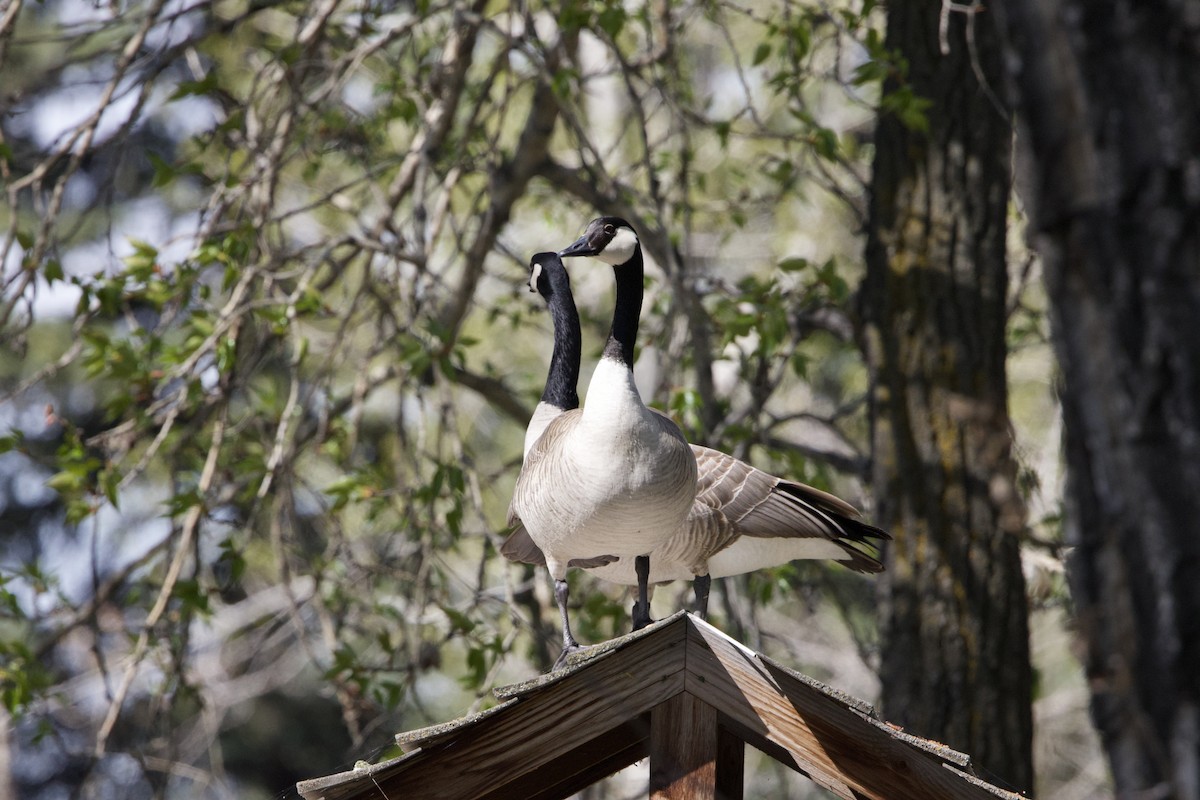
(955, 638)
(1109, 94)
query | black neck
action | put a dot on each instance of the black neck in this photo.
(623, 336)
(563, 378)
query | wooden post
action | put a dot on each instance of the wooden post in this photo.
(731, 753)
(690, 757)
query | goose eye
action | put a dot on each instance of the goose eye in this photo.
(610, 230)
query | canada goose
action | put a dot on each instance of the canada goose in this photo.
(611, 480)
(548, 277)
(742, 518)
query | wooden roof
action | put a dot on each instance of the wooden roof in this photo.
(681, 693)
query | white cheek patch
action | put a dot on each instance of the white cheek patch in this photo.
(620, 248)
(534, 274)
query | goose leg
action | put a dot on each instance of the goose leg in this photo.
(701, 584)
(641, 609)
(561, 591)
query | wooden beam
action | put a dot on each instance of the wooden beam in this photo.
(683, 749)
(731, 755)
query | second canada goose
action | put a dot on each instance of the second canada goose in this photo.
(549, 278)
(612, 480)
(742, 518)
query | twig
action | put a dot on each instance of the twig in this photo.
(184, 549)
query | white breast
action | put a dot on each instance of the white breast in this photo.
(619, 481)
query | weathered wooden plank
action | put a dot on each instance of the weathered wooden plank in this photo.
(545, 725)
(350, 784)
(827, 739)
(683, 749)
(877, 759)
(583, 766)
(425, 737)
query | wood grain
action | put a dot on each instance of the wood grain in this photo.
(829, 740)
(683, 749)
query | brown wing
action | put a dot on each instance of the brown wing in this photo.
(761, 505)
(520, 548)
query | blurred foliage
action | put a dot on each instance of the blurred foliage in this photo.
(267, 354)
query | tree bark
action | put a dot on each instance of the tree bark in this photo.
(1109, 99)
(954, 615)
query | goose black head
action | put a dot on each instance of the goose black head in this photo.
(610, 239)
(547, 274)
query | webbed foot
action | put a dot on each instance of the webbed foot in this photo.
(641, 617)
(574, 647)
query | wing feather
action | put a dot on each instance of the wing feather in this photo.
(760, 505)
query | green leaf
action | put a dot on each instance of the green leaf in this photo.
(226, 354)
(193, 596)
(908, 108)
(204, 86)
(66, 481)
(825, 142)
(52, 270)
(454, 521)
(458, 620)
(761, 53)
(828, 276)
(141, 263)
(310, 302)
(722, 128)
(458, 481)
(201, 324)
(164, 171)
(800, 364)
(477, 665)
(180, 503)
(343, 489)
(801, 40)
(869, 72)
(110, 482)
(78, 510)
(23, 679)
(390, 693)
(232, 559)
(571, 17)
(611, 19)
